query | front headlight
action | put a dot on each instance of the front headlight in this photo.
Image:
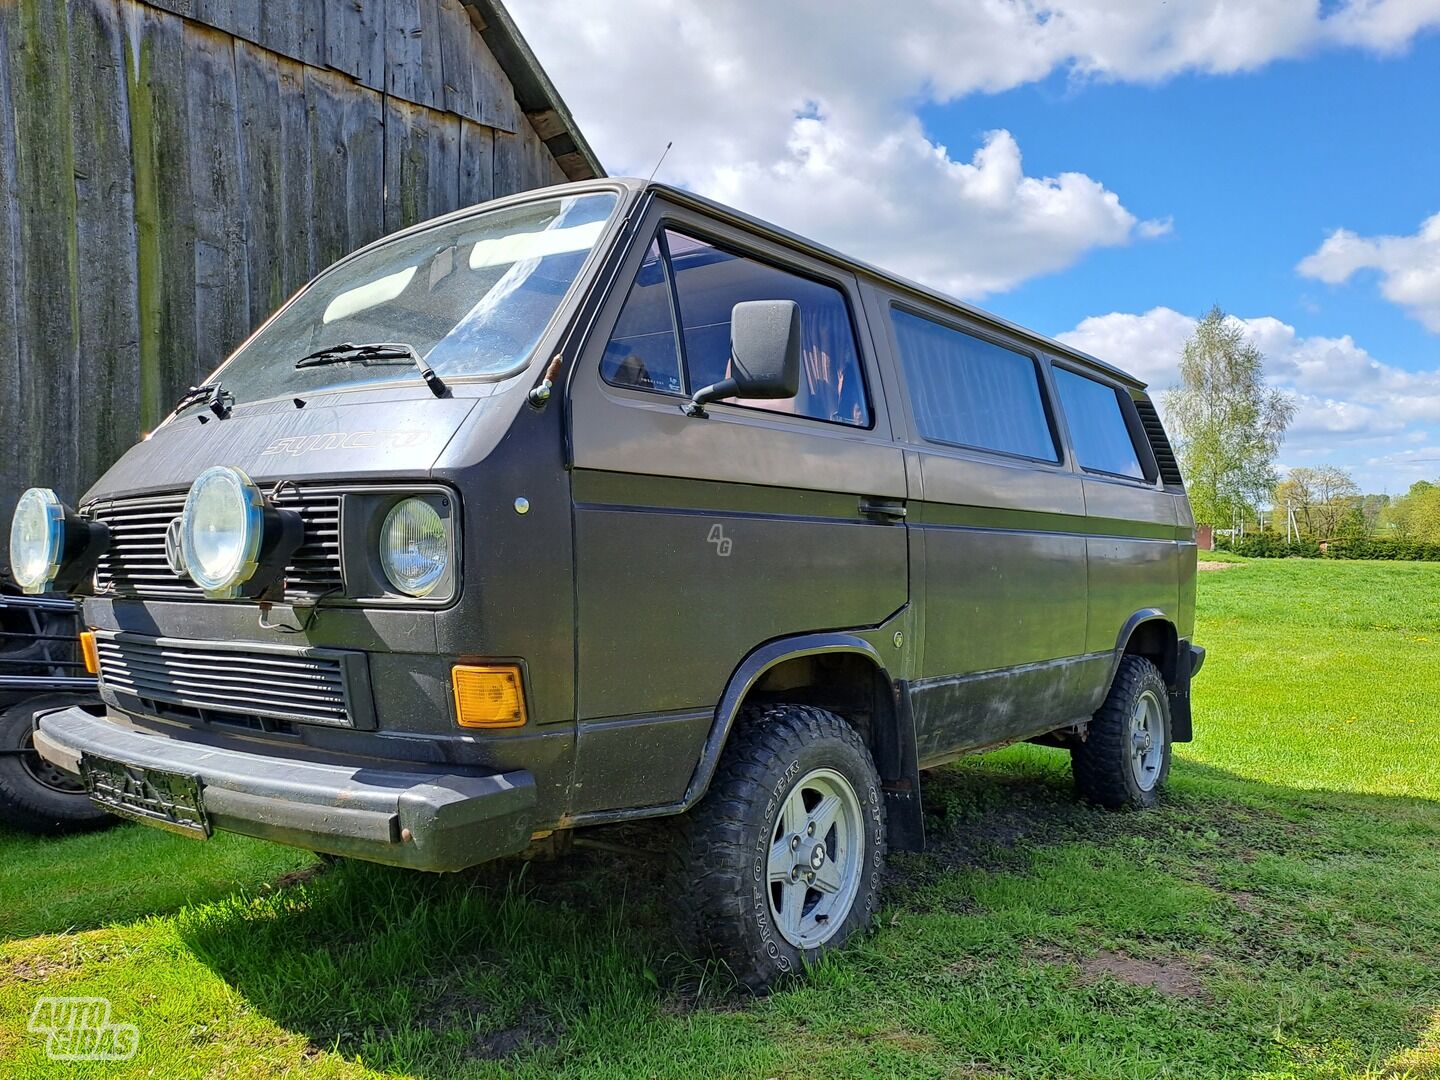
(37, 539)
(221, 530)
(414, 550)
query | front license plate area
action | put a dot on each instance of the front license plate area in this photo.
(165, 799)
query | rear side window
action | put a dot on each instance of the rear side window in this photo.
(1096, 418)
(706, 282)
(968, 391)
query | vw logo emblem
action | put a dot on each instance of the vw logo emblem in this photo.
(174, 553)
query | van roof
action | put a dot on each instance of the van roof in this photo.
(636, 189)
(896, 281)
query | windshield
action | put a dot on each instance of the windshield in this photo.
(472, 297)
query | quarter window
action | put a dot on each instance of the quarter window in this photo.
(1096, 418)
(642, 351)
(968, 391)
(708, 281)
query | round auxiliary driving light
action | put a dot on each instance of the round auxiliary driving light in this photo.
(37, 539)
(414, 550)
(221, 531)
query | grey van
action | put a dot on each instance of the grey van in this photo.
(607, 502)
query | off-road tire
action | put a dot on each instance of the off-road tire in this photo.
(1101, 763)
(25, 802)
(720, 886)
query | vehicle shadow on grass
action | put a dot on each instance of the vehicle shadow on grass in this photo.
(53, 885)
(538, 962)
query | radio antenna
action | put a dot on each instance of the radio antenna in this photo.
(662, 159)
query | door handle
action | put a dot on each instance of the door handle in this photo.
(883, 509)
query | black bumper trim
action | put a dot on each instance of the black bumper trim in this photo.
(421, 820)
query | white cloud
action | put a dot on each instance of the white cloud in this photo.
(1409, 266)
(805, 113)
(1351, 409)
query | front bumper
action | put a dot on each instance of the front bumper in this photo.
(423, 820)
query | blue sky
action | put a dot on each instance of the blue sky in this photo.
(1100, 170)
(1254, 169)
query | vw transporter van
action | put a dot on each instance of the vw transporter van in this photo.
(608, 502)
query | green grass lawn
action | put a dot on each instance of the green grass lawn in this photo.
(1279, 916)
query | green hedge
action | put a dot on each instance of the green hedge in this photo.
(1412, 550)
(1270, 546)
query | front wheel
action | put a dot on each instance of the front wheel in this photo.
(34, 795)
(782, 859)
(1126, 753)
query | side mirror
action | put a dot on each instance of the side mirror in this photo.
(764, 354)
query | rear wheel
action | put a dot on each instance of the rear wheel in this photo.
(1125, 757)
(782, 859)
(34, 795)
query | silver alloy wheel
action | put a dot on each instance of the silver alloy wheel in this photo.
(817, 850)
(1147, 740)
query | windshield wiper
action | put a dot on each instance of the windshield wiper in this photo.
(375, 352)
(219, 400)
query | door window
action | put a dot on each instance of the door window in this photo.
(968, 391)
(1102, 438)
(708, 281)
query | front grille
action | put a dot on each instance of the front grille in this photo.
(39, 646)
(135, 565)
(315, 686)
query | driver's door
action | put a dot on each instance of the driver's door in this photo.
(698, 539)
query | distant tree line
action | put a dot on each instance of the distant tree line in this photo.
(1227, 425)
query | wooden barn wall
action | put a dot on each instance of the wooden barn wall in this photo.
(170, 172)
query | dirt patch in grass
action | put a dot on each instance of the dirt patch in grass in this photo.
(1172, 977)
(1205, 564)
(981, 820)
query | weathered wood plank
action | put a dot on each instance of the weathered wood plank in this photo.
(430, 88)
(355, 40)
(407, 163)
(325, 96)
(221, 295)
(443, 168)
(404, 68)
(15, 473)
(294, 29)
(239, 18)
(261, 170)
(477, 163)
(495, 104)
(458, 42)
(49, 302)
(164, 211)
(365, 167)
(107, 419)
(508, 163)
(297, 196)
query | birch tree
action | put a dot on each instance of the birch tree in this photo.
(1226, 423)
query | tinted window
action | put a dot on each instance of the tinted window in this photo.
(972, 392)
(642, 352)
(1097, 425)
(710, 281)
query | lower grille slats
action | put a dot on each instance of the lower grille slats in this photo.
(135, 563)
(298, 686)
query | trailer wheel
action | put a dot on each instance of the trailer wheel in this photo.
(35, 796)
(781, 860)
(1125, 757)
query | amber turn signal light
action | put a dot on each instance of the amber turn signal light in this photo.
(488, 697)
(88, 651)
